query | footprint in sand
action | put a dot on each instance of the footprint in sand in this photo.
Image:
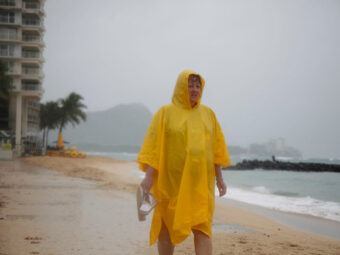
(33, 239)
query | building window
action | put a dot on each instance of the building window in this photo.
(30, 85)
(9, 66)
(7, 17)
(6, 50)
(30, 53)
(31, 20)
(30, 69)
(7, 2)
(30, 37)
(31, 4)
(8, 33)
(34, 104)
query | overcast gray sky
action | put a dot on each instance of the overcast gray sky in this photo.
(272, 67)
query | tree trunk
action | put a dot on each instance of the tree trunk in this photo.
(47, 133)
(43, 142)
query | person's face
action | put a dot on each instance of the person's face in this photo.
(194, 87)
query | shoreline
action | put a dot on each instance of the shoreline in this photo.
(93, 203)
(298, 221)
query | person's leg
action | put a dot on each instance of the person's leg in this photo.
(165, 247)
(203, 244)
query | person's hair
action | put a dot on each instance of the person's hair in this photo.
(196, 76)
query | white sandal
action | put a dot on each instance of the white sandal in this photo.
(145, 203)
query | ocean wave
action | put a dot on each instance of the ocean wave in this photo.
(303, 205)
(261, 189)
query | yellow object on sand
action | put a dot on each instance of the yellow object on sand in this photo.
(183, 144)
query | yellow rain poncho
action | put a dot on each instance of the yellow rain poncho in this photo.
(183, 144)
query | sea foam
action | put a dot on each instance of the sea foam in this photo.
(303, 205)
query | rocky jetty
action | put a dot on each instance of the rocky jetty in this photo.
(286, 166)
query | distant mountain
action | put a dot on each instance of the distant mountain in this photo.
(120, 127)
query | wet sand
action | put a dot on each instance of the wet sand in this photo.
(46, 212)
(87, 206)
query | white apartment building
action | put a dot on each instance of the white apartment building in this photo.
(21, 49)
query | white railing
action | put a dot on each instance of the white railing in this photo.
(32, 87)
(32, 5)
(31, 54)
(30, 71)
(31, 38)
(31, 22)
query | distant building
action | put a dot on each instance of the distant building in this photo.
(21, 49)
(276, 145)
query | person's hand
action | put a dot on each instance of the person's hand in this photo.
(221, 186)
(147, 182)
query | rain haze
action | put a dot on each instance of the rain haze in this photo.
(272, 68)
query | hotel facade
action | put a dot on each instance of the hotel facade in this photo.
(21, 49)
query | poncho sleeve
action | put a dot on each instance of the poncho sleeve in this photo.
(221, 154)
(149, 154)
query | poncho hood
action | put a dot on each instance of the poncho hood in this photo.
(181, 93)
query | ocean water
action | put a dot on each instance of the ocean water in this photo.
(114, 155)
(310, 193)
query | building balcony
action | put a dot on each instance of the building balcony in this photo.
(38, 43)
(34, 90)
(31, 87)
(39, 28)
(32, 21)
(31, 74)
(31, 54)
(31, 7)
(32, 60)
(35, 38)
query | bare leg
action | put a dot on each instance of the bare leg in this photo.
(203, 244)
(165, 247)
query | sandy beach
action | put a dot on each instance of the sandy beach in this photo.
(51, 205)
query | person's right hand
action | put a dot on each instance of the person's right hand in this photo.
(148, 179)
(147, 183)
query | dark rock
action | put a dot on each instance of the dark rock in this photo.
(287, 166)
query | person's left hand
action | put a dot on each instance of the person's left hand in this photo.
(222, 187)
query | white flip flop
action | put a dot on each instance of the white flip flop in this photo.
(145, 203)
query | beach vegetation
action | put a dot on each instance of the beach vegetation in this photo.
(49, 118)
(71, 110)
(5, 87)
(58, 114)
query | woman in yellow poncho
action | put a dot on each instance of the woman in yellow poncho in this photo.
(182, 155)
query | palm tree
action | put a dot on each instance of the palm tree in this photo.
(49, 118)
(71, 112)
